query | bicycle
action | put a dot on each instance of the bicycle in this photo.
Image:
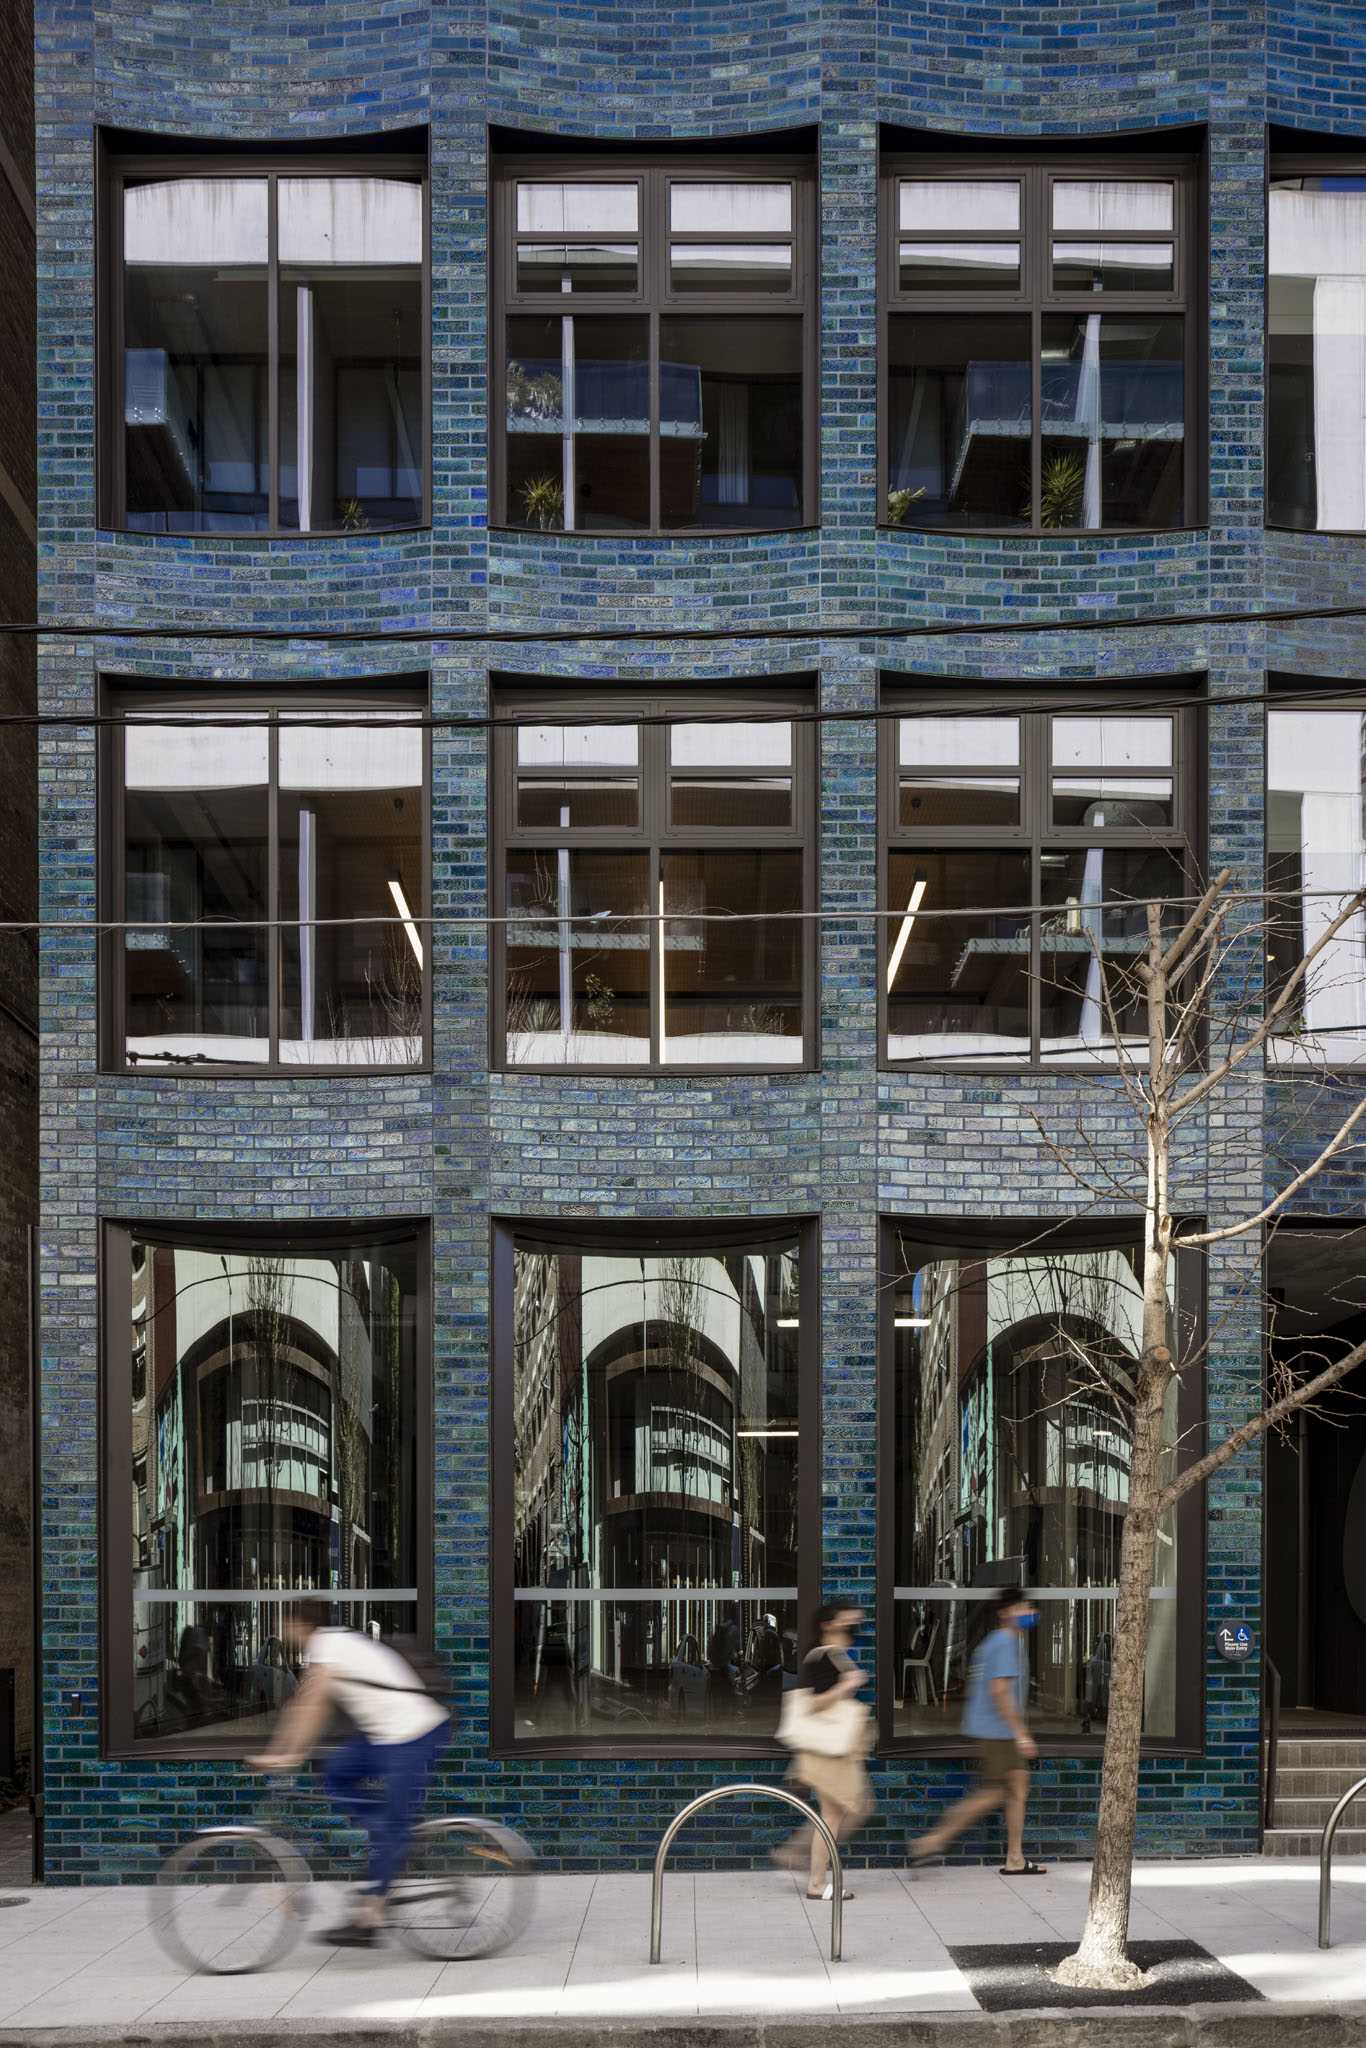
(240, 1896)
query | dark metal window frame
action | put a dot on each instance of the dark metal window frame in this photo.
(122, 697)
(749, 1234)
(1035, 834)
(116, 169)
(1035, 172)
(541, 699)
(117, 1590)
(940, 1237)
(654, 299)
(1295, 164)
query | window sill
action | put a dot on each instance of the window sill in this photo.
(1321, 532)
(299, 1073)
(1096, 533)
(696, 533)
(259, 534)
(644, 1073)
(933, 1748)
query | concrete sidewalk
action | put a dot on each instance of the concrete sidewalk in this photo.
(744, 1944)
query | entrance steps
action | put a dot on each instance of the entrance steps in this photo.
(1312, 1773)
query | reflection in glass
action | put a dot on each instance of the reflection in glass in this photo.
(1112, 206)
(958, 987)
(1095, 911)
(584, 804)
(732, 958)
(1112, 800)
(576, 267)
(1316, 348)
(730, 267)
(1111, 742)
(730, 422)
(1113, 419)
(737, 802)
(578, 422)
(960, 417)
(578, 958)
(1316, 857)
(1113, 266)
(959, 266)
(274, 1434)
(577, 208)
(196, 853)
(731, 208)
(959, 800)
(938, 742)
(351, 993)
(955, 205)
(1013, 1383)
(655, 1429)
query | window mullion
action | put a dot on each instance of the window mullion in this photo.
(275, 936)
(273, 353)
(656, 462)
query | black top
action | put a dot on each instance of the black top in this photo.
(822, 1668)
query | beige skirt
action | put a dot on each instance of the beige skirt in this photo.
(841, 1779)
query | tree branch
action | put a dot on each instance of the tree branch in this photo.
(1248, 1432)
(1288, 1193)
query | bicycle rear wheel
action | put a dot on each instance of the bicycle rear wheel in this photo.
(230, 1900)
(468, 1890)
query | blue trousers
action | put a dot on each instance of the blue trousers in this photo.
(388, 1815)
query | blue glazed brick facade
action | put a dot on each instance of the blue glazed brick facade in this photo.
(847, 1144)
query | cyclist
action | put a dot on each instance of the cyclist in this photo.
(400, 1730)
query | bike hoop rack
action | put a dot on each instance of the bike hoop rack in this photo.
(747, 1792)
(1326, 1862)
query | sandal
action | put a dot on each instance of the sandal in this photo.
(828, 1894)
(1025, 1870)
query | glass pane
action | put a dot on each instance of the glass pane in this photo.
(727, 743)
(576, 267)
(1316, 353)
(730, 405)
(1112, 801)
(958, 987)
(1111, 206)
(960, 420)
(195, 382)
(1316, 857)
(1113, 267)
(274, 1446)
(957, 206)
(730, 208)
(600, 469)
(351, 848)
(763, 801)
(930, 800)
(1094, 932)
(196, 851)
(350, 220)
(352, 441)
(959, 266)
(578, 958)
(1012, 1379)
(583, 804)
(577, 209)
(944, 742)
(1113, 421)
(730, 267)
(578, 746)
(1114, 741)
(656, 1455)
(732, 959)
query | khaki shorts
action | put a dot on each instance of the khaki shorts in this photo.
(996, 1760)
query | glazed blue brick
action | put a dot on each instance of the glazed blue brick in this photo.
(847, 1144)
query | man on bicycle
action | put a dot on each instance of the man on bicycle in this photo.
(400, 1730)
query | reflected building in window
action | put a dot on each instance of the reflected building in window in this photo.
(1316, 350)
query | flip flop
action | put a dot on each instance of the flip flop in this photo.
(1025, 1870)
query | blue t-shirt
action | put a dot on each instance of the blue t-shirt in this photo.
(1000, 1656)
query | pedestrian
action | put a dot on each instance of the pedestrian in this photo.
(994, 1718)
(828, 1728)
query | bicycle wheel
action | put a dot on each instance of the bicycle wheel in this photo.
(468, 1890)
(230, 1900)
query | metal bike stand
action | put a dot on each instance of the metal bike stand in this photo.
(747, 1792)
(1326, 1862)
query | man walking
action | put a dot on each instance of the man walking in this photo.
(994, 1718)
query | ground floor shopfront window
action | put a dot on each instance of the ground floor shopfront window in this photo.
(655, 1476)
(1006, 1389)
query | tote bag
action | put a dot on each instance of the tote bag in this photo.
(833, 1731)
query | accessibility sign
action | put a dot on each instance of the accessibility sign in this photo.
(1233, 1640)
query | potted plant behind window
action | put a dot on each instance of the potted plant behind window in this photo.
(543, 502)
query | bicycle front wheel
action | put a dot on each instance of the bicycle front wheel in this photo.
(468, 1890)
(230, 1900)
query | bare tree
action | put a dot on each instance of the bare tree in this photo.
(1173, 1060)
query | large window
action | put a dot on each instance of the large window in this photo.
(1006, 1436)
(268, 864)
(268, 345)
(652, 367)
(267, 1419)
(1315, 860)
(1316, 344)
(653, 880)
(1038, 344)
(1022, 848)
(656, 1482)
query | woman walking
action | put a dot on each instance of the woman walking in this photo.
(827, 1726)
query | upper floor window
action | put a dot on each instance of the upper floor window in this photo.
(652, 361)
(1315, 861)
(653, 878)
(1316, 344)
(1038, 343)
(268, 344)
(268, 865)
(1022, 848)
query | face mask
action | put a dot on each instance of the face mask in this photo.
(1027, 1621)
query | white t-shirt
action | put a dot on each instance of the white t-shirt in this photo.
(375, 1687)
